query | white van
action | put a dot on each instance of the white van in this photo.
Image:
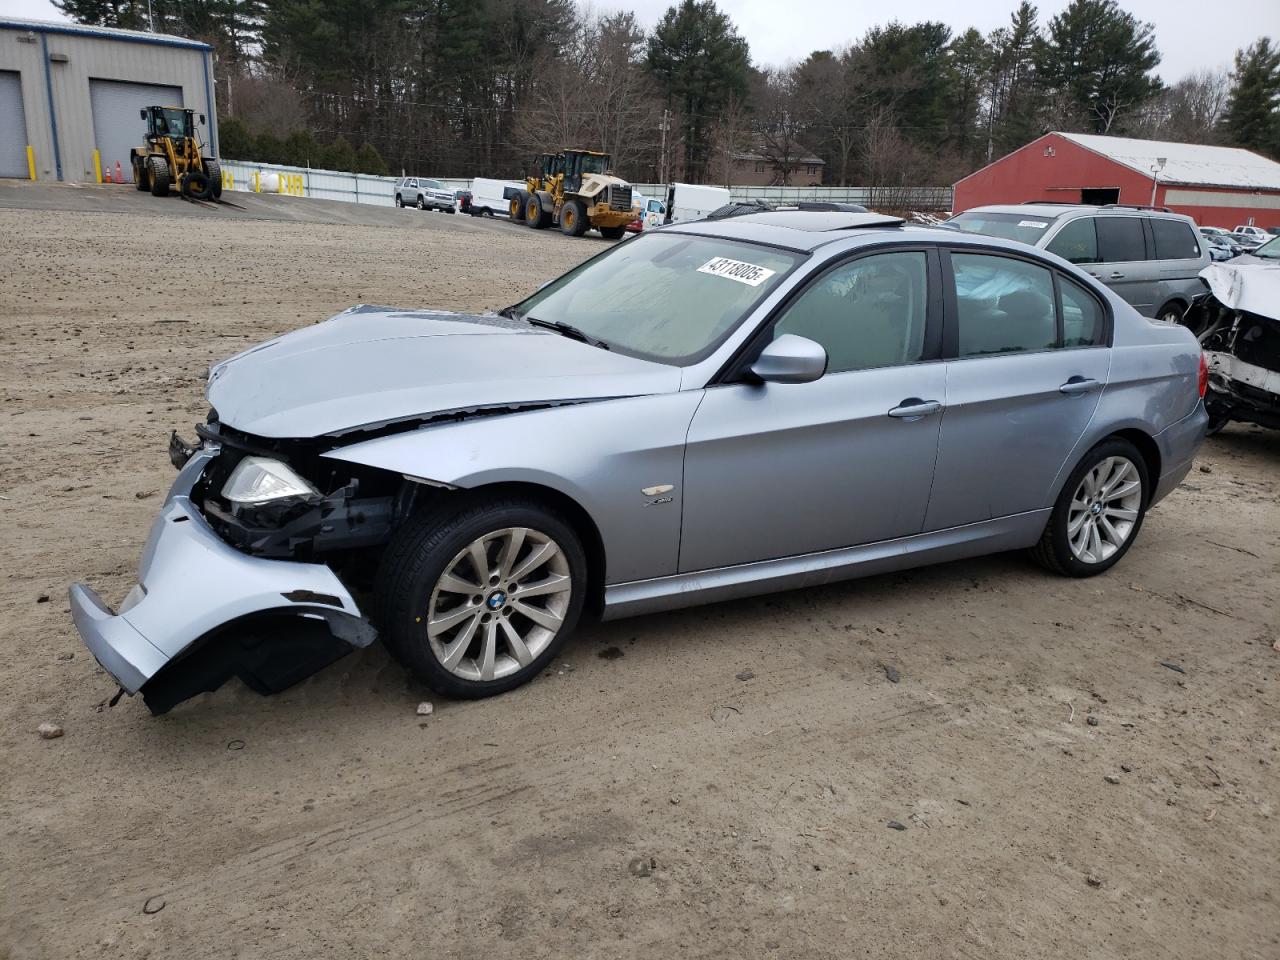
(492, 198)
(692, 201)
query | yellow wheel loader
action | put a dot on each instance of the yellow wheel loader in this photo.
(170, 155)
(575, 190)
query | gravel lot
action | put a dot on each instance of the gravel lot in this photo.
(638, 799)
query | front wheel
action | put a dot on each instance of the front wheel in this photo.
(422, 204)
(1171, 312)
(1098, 513)
(478, 602)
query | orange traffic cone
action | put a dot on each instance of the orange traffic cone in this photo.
(106, 174)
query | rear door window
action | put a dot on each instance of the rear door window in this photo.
(1003, 305)
(1077, 241)
(1174, 239)
(1082, 317)
(1120, 240)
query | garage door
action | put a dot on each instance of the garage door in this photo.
(13, 126)
(117, 128)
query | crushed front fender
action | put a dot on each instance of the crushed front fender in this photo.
(192, 588)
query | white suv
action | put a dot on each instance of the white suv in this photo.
(424, 194)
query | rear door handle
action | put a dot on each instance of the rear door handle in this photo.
(1079, 386)
(913, 408)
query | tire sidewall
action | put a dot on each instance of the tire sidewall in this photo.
(413, 566)
(1061, 509)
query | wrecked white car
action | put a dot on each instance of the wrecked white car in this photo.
(1238, 325)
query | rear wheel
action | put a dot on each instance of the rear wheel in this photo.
(1098, 513)
(399, 201)
(573, 218)
(213, 170)
(158, 176)
(517, 205)
(534, 215)
(480, 601)
(139, 173)
(613, 233)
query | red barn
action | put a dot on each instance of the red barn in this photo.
(1217, 186)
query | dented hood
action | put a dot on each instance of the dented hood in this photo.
(1252, 287)
(370, 366)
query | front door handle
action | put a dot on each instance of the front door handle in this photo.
(913, 408)
(1079, 386)
(1115, 276)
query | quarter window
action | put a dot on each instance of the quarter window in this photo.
(1081, 315)
(1076, 242)
(1120, 240)
(867, 313)
(1175, 240)
(1003, 305)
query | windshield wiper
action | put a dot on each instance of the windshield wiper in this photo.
(568, 330)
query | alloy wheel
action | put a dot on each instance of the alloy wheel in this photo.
(1104, 509)
(499, 604)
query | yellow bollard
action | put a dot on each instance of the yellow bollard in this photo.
(97, 165)
(31, 162)
(257, 181)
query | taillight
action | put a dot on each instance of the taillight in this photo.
(1204, 375)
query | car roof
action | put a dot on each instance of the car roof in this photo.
(801, 230)
(1050, 210)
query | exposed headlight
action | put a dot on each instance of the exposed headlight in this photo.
(260, 480)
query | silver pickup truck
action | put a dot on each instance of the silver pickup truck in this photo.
(424, 194)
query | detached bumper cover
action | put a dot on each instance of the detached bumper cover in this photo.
(190, 583)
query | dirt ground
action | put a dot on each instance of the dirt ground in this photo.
(638, 799)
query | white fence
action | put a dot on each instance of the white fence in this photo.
(362, 188)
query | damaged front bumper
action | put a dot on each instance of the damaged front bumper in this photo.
(172, 637)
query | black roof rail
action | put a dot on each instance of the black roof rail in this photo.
(1054, 203)
(1135, 206)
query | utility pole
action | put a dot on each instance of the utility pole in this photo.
(151, 18)
(662, 167)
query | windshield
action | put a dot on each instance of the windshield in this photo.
(1008, 226)
(592, 164)
(432, 184)
(1269, 250)
(668, 297)
(172, 123)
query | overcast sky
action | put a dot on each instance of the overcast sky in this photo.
(1191, 34)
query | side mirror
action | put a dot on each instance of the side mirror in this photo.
(202, 119)
(791, 359)
(143, 113)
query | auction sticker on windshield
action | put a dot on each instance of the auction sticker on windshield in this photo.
(739, 270)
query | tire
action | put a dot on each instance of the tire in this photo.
(213, 170)
(516, 210)
(1104, 511)
(437, 547)
(613, 233)
(196, 185)
(534, 215)
(139, 173)
(450, 210)
(1217, 420)
(399, 201)
(422, 203)
(158, 170)
(1171, 312)
(573, 218)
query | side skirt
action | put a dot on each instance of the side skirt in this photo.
(814, 569)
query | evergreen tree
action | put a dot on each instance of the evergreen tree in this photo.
(1096, 60)
(699, 62)
(1253, 110)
